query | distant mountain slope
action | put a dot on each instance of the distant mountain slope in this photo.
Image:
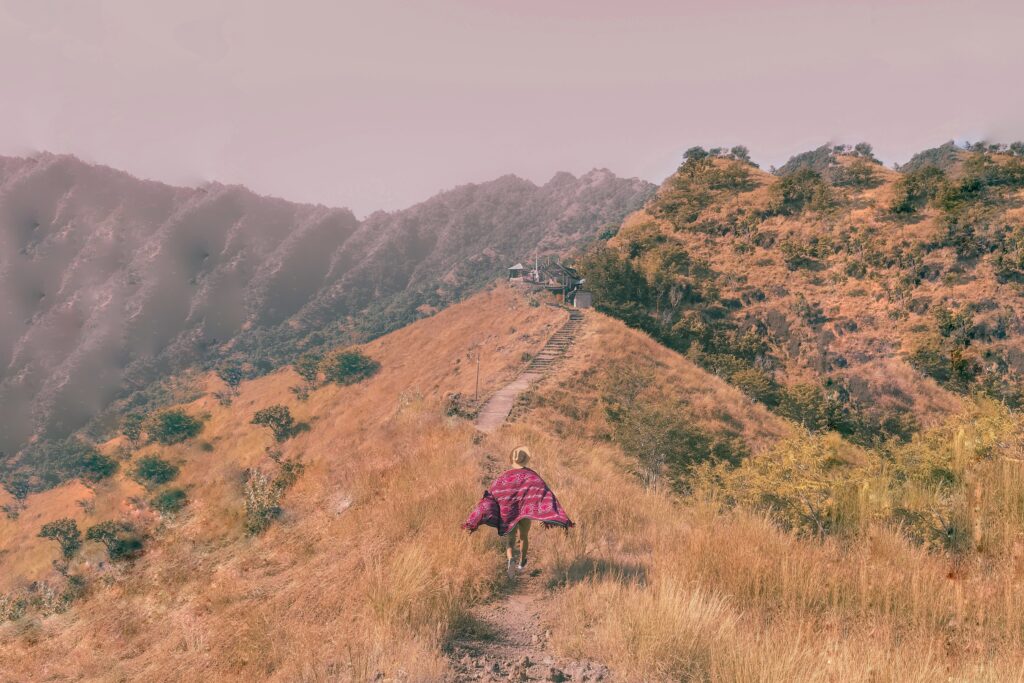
(108, 283)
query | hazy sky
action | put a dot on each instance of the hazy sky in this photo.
(380, 104)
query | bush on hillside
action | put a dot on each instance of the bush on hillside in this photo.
(12, 607)
(132, 426)
(757, 384)
(279, 419)
(263, 491)
(947, 363)
(957, 326)
(741, 153)
(618, 288)
(946, 490)
(865, 151)
(49, 463)
(65, 531)
(152, 471)
(801, 190)
(915, 188)
(456, 404)
(349, 366)
(860, 174)
(119, 538)
(169, 501)
(804, 484)
(173, 426)
(943, 158)
(19, 485)
(307, 366)
(231, 374)
(800, 254)
(815, 408)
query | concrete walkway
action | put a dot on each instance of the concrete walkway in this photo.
(497, 408)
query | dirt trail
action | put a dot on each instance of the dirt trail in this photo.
(494, 412)
(506, 640)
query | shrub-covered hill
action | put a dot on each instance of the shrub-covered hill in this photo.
(110, 285)
(335, 553)
(838, 292)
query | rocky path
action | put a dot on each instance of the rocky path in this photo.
(506, 640)
(494, 412)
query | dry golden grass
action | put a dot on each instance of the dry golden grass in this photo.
(664, 590)
(367, 571)
(710, 403)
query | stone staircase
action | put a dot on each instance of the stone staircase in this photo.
(494, 412)
(557, 345)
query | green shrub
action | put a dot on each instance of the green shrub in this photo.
(12, 607)
(757, 384)
(152, 471)
(956, 326)
(50, 463)
(119, 538)
(169, 501)
(815, 408)
(349, 366)
(131, 426)
(804, 189)
(278, 418)
(263, 492)
(916, 188)
(947, 363)
(741, 153)
(798, 254)
(865, 151)
(308, 367)
(65, 532)
(859, 174)
(173, 426)
(231, 374)
(804, 483)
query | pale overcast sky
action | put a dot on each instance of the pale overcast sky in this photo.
(379, 104)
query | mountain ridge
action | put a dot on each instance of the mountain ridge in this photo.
(108, 281)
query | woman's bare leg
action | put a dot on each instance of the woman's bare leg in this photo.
(511, 544)
(524, 540)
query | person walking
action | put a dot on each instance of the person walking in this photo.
(517, 497)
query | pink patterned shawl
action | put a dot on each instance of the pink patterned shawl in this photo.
(517, 494)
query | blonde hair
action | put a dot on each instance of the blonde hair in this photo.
(519, 456)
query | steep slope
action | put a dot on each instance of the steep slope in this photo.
(109, 283)
(841, 293)
(369, 530)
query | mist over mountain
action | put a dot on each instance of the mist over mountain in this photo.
(108, 282)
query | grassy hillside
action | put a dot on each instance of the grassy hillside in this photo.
(837, 292)
(365, 571)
